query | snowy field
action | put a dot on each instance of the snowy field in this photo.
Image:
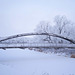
(27, 62)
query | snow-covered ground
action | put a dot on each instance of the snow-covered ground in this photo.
(29, 62)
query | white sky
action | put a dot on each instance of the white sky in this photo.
(21, 16)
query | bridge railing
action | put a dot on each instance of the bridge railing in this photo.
(36, 45)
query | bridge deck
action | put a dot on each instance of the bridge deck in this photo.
(37, 46)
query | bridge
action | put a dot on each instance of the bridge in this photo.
(36, 45)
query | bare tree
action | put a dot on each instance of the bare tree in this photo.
(61, 22)
(62, 26)
(44, 27)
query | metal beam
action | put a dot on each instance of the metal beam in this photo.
(30, 34)
(72, 46)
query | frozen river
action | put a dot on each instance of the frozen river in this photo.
(27, 62)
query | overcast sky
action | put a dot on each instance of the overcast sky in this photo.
(21, 16)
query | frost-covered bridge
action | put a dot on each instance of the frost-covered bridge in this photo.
(36, 45)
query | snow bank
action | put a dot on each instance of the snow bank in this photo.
(26, 62)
